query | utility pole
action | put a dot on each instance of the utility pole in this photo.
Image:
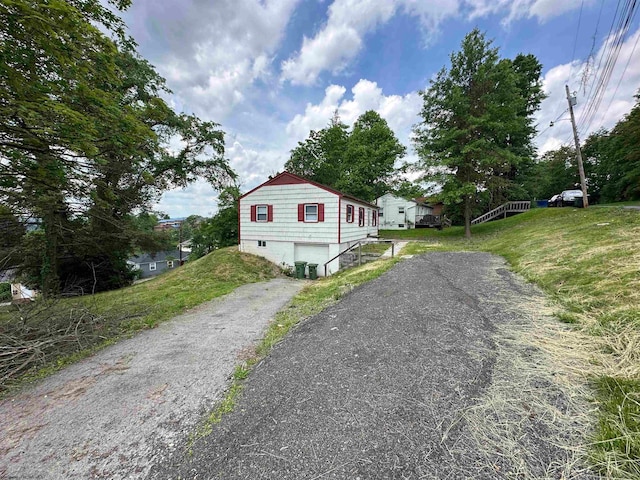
(583, 181)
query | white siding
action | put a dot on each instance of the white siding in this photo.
(392, 218)
(285, 225)
(285, 254)
(352, 232)
(285, 240)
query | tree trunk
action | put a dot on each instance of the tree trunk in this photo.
(467, 216)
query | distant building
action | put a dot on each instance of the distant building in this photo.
(397, 213)
(19, 292)
(151, 265)
(168, 224)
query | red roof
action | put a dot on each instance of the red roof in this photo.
(286, 178)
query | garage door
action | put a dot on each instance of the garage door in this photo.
(311, 253)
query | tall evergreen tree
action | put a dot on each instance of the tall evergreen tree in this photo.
(476, 124)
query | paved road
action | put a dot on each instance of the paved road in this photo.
(117, 413)
(391, 382)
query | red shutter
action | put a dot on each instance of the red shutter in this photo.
(301, 212)
(253, 213)
(269, 213)
(321, 212)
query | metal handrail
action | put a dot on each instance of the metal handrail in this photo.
(357, 244)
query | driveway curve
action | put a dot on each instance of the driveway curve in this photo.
(124, 409)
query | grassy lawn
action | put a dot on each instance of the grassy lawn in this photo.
(588, 262)
(375, 248)
(45, 336)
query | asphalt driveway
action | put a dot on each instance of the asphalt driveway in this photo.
(114, 415)
(421, 373)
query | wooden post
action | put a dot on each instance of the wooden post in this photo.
(583, 181)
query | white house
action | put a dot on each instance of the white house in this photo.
(397, 213)
(289, 219)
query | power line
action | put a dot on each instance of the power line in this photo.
(608, 59)
(575, 41)
(622, 76)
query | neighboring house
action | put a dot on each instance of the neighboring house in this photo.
(168, 224)
(19, 292)
(185, 247)
(397, 213)
(154, 264)
(289, 219)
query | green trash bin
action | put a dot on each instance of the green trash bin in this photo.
(579, 202)
(300, 269)
(313, 271)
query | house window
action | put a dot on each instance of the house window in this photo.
(152, 266)
(381, 214)
(169, 263)
(374, 218)
(400, 209)
(401, 225)
(361, 217)
(350, 211)
(311, 213)
(262, 243)
(262, 213)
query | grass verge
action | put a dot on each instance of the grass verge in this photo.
(43, 337)
(588, 262)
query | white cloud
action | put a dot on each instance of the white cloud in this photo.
(400, 112)
(543, 10)
(339, 41)
(342, 37)
(210, 52)
(611, 109)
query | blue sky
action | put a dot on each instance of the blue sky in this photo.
(270, 71)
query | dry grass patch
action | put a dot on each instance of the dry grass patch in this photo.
(587, 261)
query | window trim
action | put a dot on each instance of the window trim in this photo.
(266, 213)
(169, 263)
(351, 209)
(400, 210)
(317, 214)
(153, 266)
(361, 217)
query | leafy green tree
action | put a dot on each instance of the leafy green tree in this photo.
(221, 230)
(554, 172)
(84, 135)
(612, 159)
(369, 160)
(320, 157)
(360, 162)
(475, 124)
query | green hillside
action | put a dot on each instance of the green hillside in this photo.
(588, 262)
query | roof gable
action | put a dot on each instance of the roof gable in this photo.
(287, 178)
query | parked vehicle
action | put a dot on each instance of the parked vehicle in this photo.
(568, 197)
(554, 201)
